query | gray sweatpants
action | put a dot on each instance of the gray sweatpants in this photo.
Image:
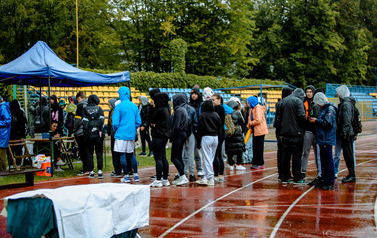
(188, 155)
(208, 152)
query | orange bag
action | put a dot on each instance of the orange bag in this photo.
(47, 171)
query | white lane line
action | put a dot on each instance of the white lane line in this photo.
(211, 203)
(278, 224)
(375, 213)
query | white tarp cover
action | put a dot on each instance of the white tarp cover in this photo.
(96, 210)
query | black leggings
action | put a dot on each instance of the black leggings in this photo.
(218, 162)
(176, 151)
(145, 137)
(159, 152)
(96, 143)
(231, 160)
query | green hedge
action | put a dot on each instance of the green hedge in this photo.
(144, 80)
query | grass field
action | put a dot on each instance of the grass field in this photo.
(144, 161)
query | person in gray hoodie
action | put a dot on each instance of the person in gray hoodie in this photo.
(290, 119)
(345, 132)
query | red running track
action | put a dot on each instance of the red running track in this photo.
(254, 204)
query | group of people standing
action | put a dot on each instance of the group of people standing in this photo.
(306, 119)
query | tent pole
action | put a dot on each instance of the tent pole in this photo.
(25, 101)
(49, 128)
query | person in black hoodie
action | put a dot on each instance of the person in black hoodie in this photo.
(57, 113)
(18, 126)
(160, 131)
(79, 132)
(196, 101)
(144, 128)
(284, 93)
(208, 130)
(180, 122)
(41, 121)
(93, 121)
(290, 120)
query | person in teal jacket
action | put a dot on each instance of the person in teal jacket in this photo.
(5, 122)
(126, 119)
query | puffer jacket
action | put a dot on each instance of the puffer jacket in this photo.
(325, 133)
(344, 118)
(180, 119)
(291, 116)
(235, 143)
(257, 118)
(126, 117)
(5, 123)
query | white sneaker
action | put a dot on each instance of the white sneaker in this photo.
(221, 179)
(59, 170)
(125, 179)
(200, 173)
(156, 184)
(60, 163)
(182, 180)
(239, 167)
(229, 167)
(216, 179)
(203, 181)
(165, 182)
(211, 182)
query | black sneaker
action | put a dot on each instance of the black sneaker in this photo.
(319, 184)
(301, 181)
(176, 177)
(82, 173)
(192, 178)
(142, 154)
(114, 175)
(314, 182)
(100, 175)
(349, 179)
(91, 175)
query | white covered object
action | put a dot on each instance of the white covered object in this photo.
(96, 210)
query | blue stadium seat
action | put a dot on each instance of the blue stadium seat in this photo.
(163, 90)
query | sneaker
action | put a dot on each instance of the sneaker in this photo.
(165, 182)
(82, 173)
(200, 173)
(336, 176)
(257, 167)
(239, 167)
(125, 179)
(142, 154)
(211, 182)
(216, 179)
(59, 170)
(314, 182)
(156, 184)
(349, 179)
(150, 154)
(221, 179)
(229, 167)
(136, 178)
(114, 175)
(100, 175)
(60, 163)
(91, 174)
(203, 181)
(192, 178)
(328, 187)
(182, 180)
(301, 181)
(153, 177)
(319, 184)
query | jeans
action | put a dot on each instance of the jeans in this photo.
(327, 163)
(123, 161)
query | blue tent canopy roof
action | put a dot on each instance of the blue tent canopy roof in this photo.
(39, 62)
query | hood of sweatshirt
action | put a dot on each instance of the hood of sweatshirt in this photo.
(253, 101)
(93, 100)
(299, 93)
(112, 102)
(286, 92)
(207, 106)
(233, 104)
(320, 99)
(144, 100)
(179, 100)
(343, 91)
(161, 100)
(153, 92)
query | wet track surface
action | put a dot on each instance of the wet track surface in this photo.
(255, 204)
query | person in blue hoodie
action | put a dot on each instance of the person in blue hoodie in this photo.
(325, 136)
(5, 122)
(126, 119)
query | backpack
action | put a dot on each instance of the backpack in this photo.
(94, 127)
(229, 124)
(356, 121)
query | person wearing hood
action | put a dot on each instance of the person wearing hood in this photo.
(209, 125)
(5, 127)
(78, 132)
(290, 119)
(41, 122)
(179, 127)
(93, 121)
(284, 93)
(161, 132)
(57, 113)
(235, 144)
(196, 101)
(345, 131)
(117, 173)
(325, 136)
(257, 121)
(309, 130)
(18, 126)
(144, 128)
(126, 119)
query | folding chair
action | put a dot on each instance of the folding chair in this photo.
(66, 155)
(27, 154)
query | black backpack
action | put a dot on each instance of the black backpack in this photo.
(94, 127)
(356, 121)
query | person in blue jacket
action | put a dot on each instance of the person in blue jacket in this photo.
(126, 119)
(325, 135)
(5, 122)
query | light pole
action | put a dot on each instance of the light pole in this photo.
(272, 71)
